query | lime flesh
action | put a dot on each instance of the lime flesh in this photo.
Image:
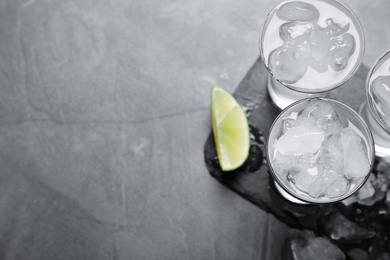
(230, 129)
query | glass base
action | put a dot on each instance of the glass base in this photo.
(288, 196)
(282, 96)
(381, 137)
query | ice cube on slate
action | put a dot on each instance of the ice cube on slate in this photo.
(339, 228)
(388, 198)
(380, 183)
(381, 95)
(305, 245)
(356, 164)
(300, 140)
(325, 115)
(367, 190)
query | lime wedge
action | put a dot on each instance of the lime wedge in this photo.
(230, 128)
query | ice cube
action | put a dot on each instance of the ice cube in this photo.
(298, 11)
(300, 140)
(289, 122)
(331, 155)
(287, 64)
(307, 121)
(350, 200)
(381, 95)
(320, 66)
(339, 228)
(380, 183)
(342, 49)
(317, 182)
(325, 181)
(384, 165)
(305, 179)
(320, 45)
(356, 164)
(296, 31)
(285, 164)
(282, 163)
(305, 245)
(337, 188)
(388, 198)
(334, 29)
(367, 190)
(293, 121)
(326, 116)
(303, 50)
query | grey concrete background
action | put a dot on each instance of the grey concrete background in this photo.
(104, 110)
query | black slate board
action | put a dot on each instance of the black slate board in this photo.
(257, 186)
(253, 182)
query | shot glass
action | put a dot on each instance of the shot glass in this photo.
(309, 47)
(376, 110)
(319, 151)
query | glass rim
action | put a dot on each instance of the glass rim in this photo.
(348, 194)
(369, 100)
(327, 88)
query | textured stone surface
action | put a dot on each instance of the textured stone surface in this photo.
(104, 109)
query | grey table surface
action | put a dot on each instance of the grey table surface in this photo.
(104, 111)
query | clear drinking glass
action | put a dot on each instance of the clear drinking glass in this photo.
(376, 110)
(309, 47)
(319, 150)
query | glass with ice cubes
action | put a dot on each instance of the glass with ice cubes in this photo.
(376, 110)
(309, 47)
(319, 150)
